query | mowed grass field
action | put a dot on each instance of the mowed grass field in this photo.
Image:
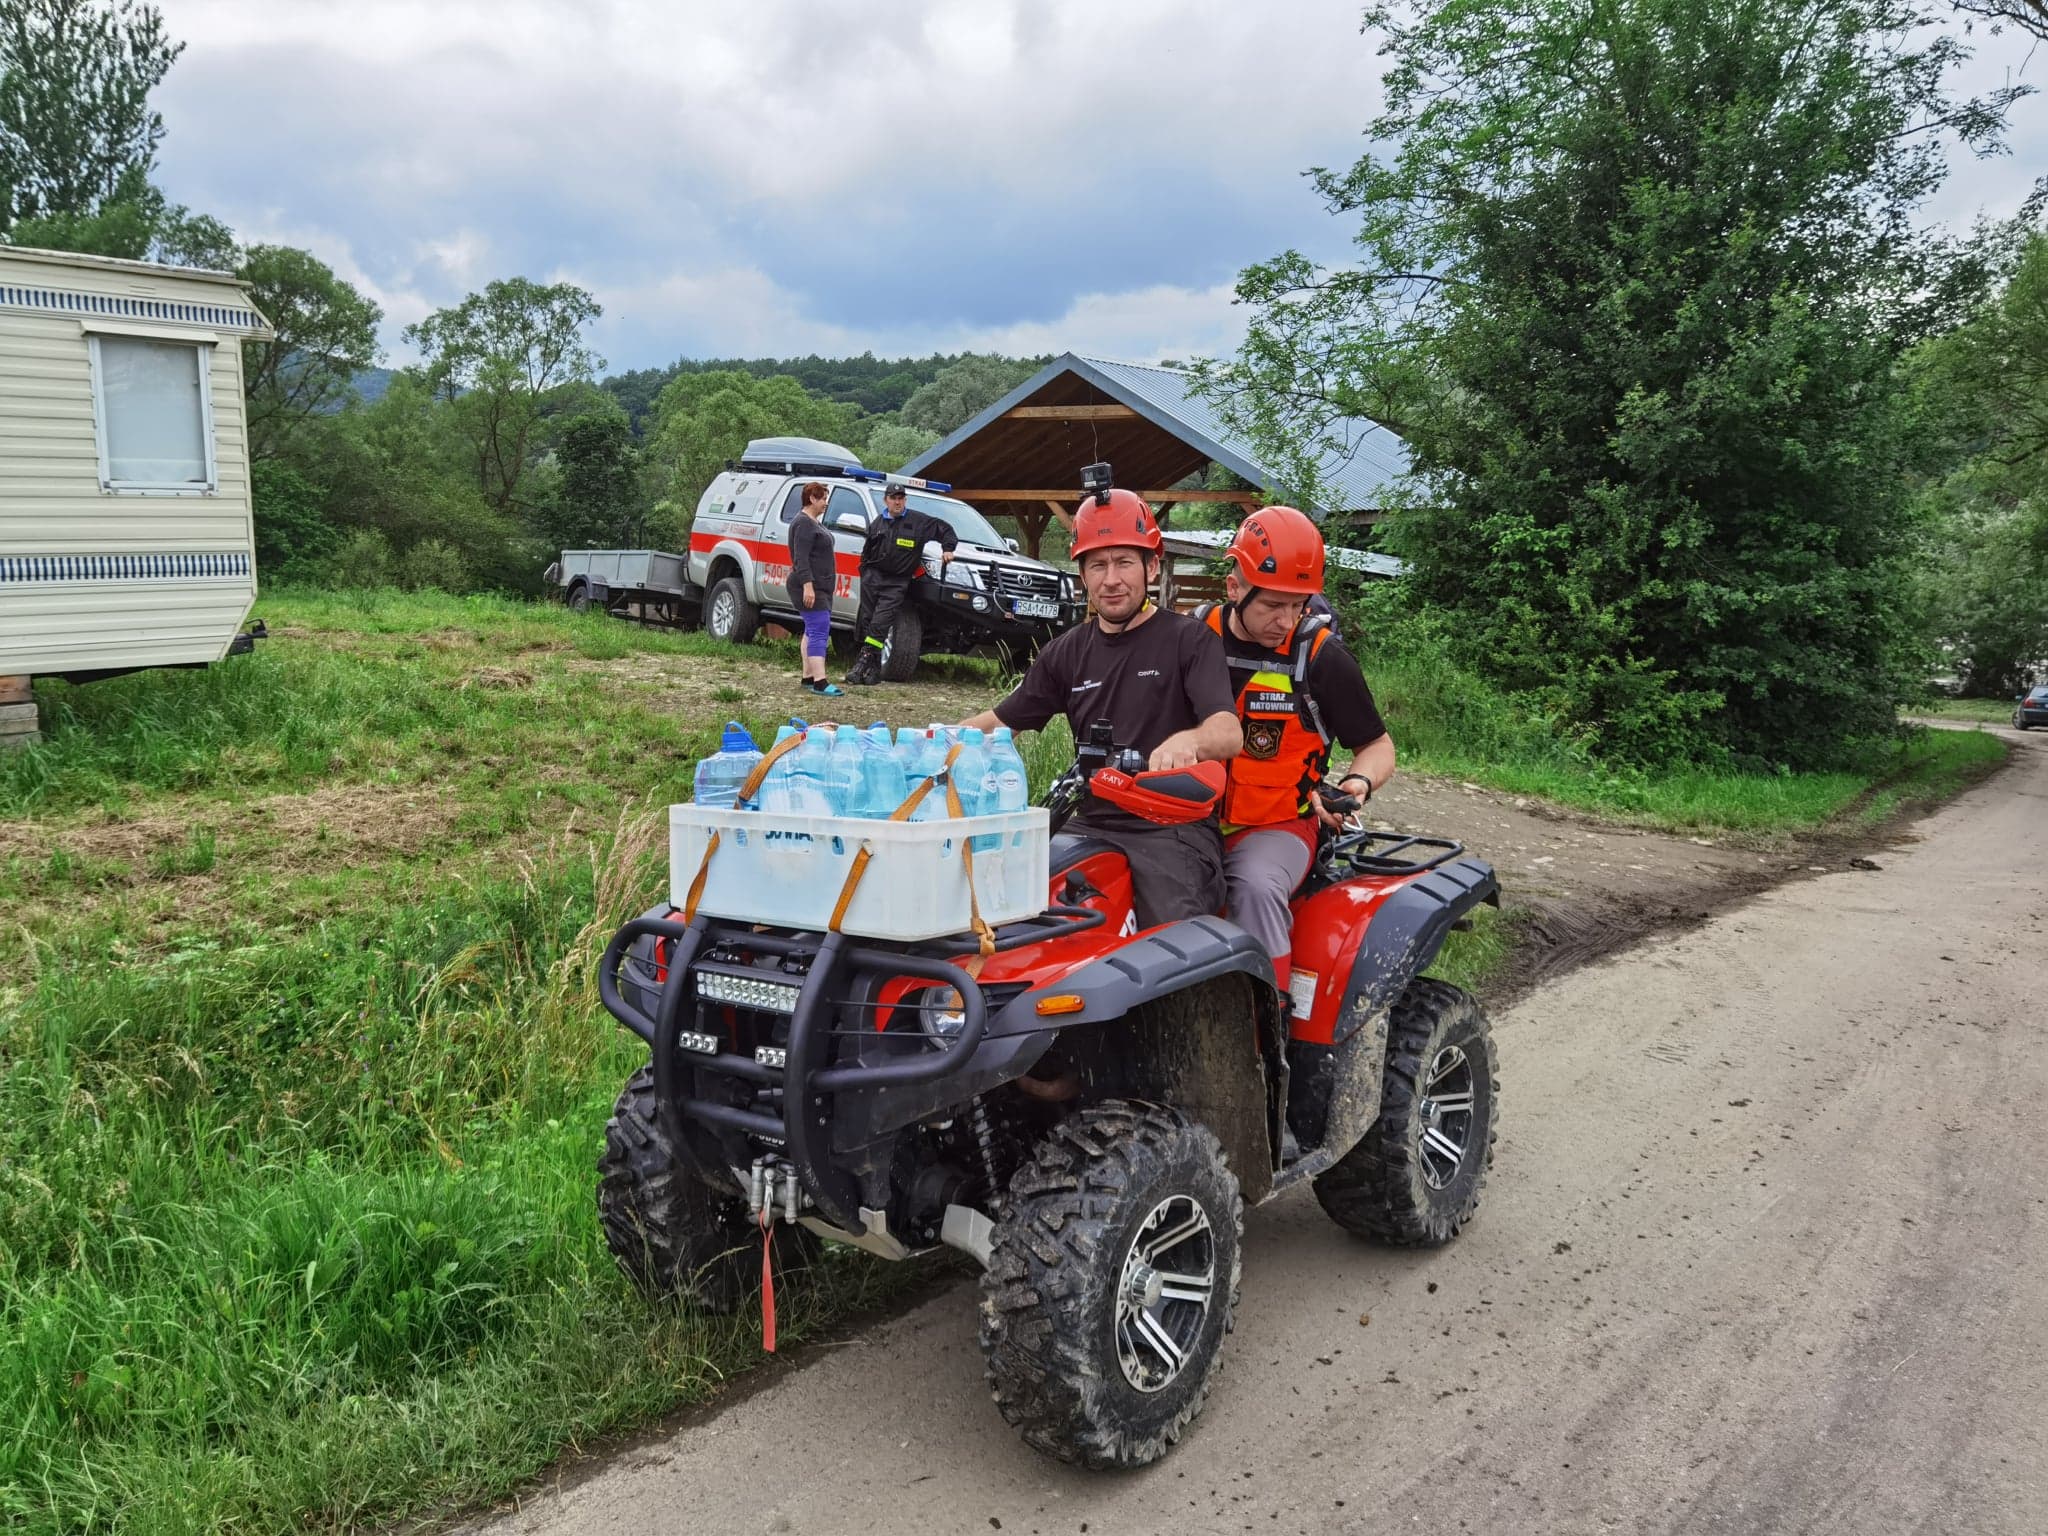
(302, 1072)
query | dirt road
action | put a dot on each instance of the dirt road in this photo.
(1765, 1250)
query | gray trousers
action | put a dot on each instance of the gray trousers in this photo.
(1261, 872)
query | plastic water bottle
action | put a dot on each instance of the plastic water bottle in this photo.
(910, 752)
(927, 758)
(971, 775)
(776, 794)
(846, 775)
(1010, 783)
(811, 771)
(883, 785)
(720, 775)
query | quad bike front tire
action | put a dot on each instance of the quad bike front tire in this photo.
(1112, 1279)
(673, 1236)
(1414, 1179)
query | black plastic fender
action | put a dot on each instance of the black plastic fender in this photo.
(1406, 931)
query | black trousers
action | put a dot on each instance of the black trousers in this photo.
(1176, 872)
(880, 598)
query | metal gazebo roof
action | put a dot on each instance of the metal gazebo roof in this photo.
(1030, 445)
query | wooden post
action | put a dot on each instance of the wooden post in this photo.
(1032, 525)
(17, 714)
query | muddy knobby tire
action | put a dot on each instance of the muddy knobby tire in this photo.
(1049, 1299)
(1390, 1187)
(674, 1238)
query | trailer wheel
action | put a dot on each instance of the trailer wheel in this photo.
(1414, 1180)
(727, 613)
(579, 598)
(902, 646)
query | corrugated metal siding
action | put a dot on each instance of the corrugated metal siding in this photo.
(51, 503)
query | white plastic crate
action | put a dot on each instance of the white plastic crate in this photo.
(789, 870)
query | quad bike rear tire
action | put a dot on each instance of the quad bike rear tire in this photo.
(1096, 1354)
(674, 1238)
(1440, 1090)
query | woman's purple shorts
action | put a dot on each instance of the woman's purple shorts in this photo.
(817, 630)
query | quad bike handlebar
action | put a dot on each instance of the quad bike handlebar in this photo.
(1118, 776)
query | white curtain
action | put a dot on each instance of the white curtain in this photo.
(155, 425)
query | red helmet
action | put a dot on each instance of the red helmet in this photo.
(1281, 550)
(1122, 521)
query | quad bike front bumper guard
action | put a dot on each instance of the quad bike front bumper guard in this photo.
(798, 1077)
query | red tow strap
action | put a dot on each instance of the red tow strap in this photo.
(767, 1282)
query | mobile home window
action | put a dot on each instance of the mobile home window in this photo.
(154, 417)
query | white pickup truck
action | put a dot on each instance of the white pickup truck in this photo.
(736, 574)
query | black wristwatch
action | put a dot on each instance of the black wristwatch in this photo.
(1362, 778)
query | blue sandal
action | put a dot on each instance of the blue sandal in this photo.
(827, 690)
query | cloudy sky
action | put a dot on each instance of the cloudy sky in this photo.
(776, 177)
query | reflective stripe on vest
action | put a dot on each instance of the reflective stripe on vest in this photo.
(1286, 748)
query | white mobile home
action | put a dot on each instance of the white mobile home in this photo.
(126, 534)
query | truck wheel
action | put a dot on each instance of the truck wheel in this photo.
(902, 646)
(579, 598)
(671, 1234)
(1415, 1178)
(727, 613)
(1112, 1278)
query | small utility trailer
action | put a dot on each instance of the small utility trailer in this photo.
(648, 584)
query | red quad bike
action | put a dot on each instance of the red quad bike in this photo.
(1087, 1110)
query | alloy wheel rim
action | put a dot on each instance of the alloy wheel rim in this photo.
(1164, 1292)
(1448, 1093)
(722, 614)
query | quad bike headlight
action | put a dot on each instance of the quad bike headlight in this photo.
(941, 1014)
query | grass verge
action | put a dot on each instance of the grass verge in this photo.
(302, 1077)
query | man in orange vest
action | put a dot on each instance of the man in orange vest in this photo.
(1299, 695)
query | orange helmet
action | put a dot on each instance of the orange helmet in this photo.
(1121, 521)
(1281, 550)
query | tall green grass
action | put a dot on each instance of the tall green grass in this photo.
(295, 1226)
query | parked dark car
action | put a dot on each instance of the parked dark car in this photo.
(2032, 709)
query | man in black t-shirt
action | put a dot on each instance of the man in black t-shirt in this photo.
(1159, 679)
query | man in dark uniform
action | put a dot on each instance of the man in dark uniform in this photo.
(891, 560)
(1160, 679)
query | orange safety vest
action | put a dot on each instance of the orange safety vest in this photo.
(1286, 748)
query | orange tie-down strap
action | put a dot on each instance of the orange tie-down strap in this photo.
(984, 935)
(748, 790)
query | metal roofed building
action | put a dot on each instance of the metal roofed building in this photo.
(1022, 456)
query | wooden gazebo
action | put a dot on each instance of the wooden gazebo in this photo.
(1022, 457)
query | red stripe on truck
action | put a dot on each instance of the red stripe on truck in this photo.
(776, 555)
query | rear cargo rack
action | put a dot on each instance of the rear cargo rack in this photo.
(1367, 852)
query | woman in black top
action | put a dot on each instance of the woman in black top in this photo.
(813, 570)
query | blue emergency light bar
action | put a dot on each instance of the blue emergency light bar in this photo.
(855, 472)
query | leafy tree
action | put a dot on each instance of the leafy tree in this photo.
(497, 359)
(597, 500)
(294, 540)
(76, 128)
(892, 444)
(138, 224)
(325, 333)
(1634, 278)
(2028, 15)
(963, 390)
(1986, 386)
(703, 419)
